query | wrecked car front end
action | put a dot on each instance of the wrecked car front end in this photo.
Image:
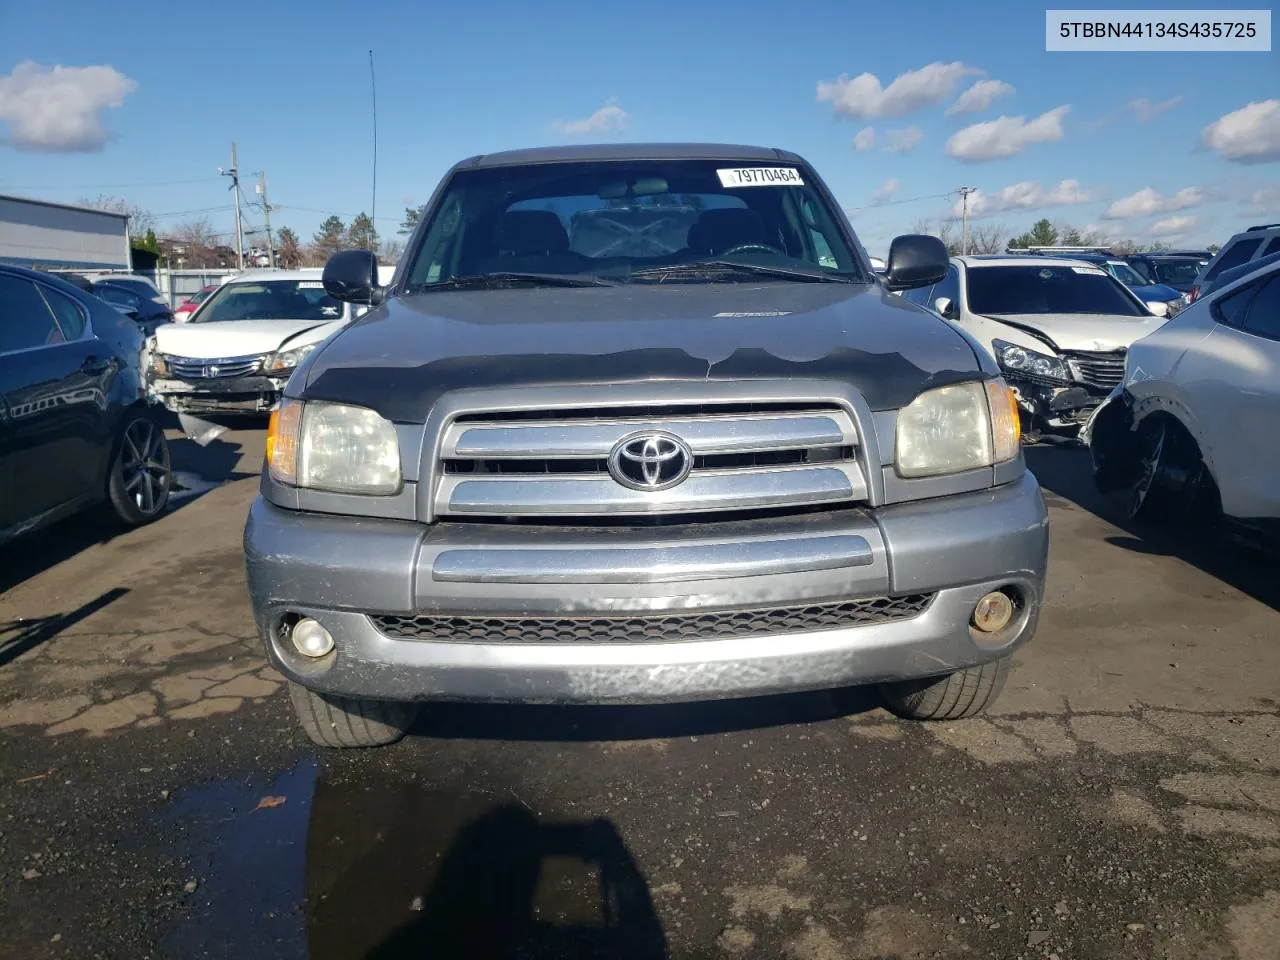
(1059, 389)
(248, 384)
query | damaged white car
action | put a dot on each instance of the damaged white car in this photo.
(238, 349)
(1058, 328)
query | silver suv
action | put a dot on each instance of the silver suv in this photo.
(1253, 244)
(636, 424)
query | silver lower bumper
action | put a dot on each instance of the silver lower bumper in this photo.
(341, 570)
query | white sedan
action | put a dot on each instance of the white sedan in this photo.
(1192, 429)
(238, 349)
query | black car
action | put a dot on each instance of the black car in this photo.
(1177, 270)
(75, 427)
(147, 313)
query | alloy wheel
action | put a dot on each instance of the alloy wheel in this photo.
(144, 466)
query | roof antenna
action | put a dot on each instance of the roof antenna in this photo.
(373, 208)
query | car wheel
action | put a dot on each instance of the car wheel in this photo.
(1171, 478)
(140, 479)
(965, 693)
(344, 722)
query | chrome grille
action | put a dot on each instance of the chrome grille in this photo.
(1100, 370)
(658, 628)
(555, 463)
(226, 368)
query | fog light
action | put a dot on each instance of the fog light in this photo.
(991, 615)
(311, 639)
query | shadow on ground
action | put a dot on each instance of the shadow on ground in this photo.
(19, 636)
(545, 723)
(354, 863)
(1064, 470)
(197, 470)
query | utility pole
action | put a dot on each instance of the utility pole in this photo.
(234, 174)
(964, 219)
(266, 217)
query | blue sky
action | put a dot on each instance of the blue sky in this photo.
(1150, 145)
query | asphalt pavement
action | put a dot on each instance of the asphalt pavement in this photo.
(158, 800)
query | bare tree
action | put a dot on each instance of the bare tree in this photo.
(140, 220)
(390, 251)
(988, 238)
(193, 242)
(289, 251)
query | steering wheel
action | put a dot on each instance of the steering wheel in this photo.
(744, 247)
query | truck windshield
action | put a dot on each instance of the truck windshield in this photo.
(269, 300)
(1049, 289)
(612, 219)
(1178, 271)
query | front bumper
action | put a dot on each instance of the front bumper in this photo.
(1058, 406)
(256, 394)
(344, 570)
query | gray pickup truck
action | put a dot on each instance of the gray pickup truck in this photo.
(636, 424)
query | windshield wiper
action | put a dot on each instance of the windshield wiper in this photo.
(711, 268)
(481, 281)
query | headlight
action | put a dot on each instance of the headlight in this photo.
(1015, 359)
(333, 446)
(1175, 306)
(961, 427)
(287, 359)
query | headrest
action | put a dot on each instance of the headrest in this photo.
(525, 232)
(719, 230)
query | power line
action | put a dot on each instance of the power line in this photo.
(328, 213)
(894, 203)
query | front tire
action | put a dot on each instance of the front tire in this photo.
(1172, 481)
(965, 693)
(344, 722)
(141, 475)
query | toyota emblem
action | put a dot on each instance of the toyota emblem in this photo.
(650, 461)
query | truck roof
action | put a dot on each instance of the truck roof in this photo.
(629, 151)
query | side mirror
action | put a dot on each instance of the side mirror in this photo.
(1158, 307)
(352, 275)
(946, 308)
(915, 260)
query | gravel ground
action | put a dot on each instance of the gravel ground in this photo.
(157, 799)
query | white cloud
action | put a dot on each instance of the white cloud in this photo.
(979, 96)
(1146, 111)
(1148, 202)
(610, 118)
(1027, 195)
(1172, 226)
(885, 191)
(1005, 136)
(59, 109)
(864, 139)
(1248, 135)
(904, 140)
(863, 98)
(1264, 200)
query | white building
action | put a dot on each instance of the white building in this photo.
(37, 233)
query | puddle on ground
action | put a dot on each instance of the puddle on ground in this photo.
(358, 865)
(245, 845)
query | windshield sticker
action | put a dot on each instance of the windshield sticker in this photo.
(762, 313)
(329, 311)
(760, 177)
(310, 285)
(1092, 271)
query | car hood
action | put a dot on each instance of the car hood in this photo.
(401, 357)
(1155, 291)
(1083, 331)
(238, 338)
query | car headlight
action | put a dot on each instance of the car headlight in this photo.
(333, 446)
(959, 427)
(1017, 359)
(287, 359)
(1175, 306)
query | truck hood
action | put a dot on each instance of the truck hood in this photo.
(1083, 331)
(238, 338)
(400, 358)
